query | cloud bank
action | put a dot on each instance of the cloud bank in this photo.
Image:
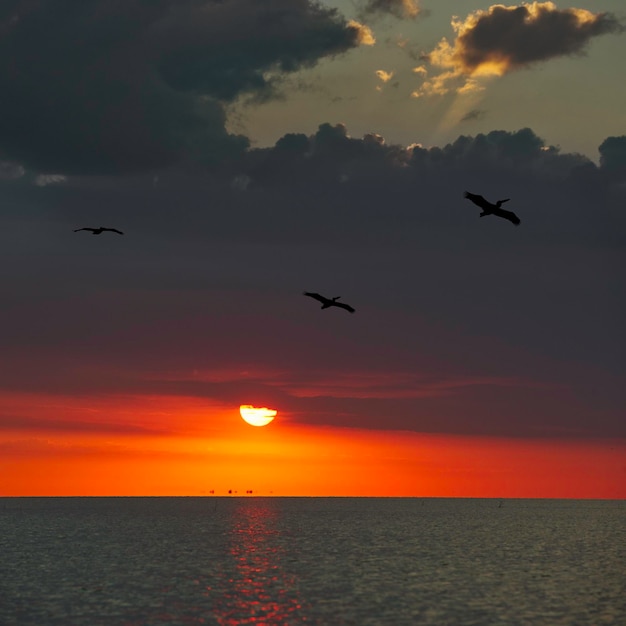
(101, 87)
(463, 325)
(613, 154)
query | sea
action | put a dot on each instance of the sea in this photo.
(330, 561)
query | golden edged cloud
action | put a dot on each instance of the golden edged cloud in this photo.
(411, 8)
(364, 34)
(384, 76)
(501, 39)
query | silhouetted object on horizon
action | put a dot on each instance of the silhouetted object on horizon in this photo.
(100, 230)
(328, 302)
(493, 209)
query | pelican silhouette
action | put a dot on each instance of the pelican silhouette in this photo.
(100, 230)
(328, 302)
(493, 209)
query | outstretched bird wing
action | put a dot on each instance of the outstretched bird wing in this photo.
(114, 230)
(316, 296)
(347, 307)
(91, 229)
(508, 215)
(478, 200)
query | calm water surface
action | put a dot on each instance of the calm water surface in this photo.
(378, 561)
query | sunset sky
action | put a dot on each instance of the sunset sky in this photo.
(251, 150)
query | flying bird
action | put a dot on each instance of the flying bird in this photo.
(493, 209)
(98, 231)
(328, 302)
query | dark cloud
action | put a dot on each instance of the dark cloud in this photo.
(10, 170)
(101, 87)
(401, 9)
(496, 148)
(503, 39)
(463, 324)
(331, 154)
(613, 154)
(473, 115)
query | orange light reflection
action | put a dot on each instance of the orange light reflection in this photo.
(260, 590)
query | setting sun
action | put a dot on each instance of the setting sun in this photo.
(256, 416)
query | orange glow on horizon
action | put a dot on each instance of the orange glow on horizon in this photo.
(180, 446)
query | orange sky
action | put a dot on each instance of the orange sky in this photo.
(192, 449)
(482, 359)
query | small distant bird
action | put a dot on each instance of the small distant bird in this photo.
(328, 302)
(98, 231)
(493, 209)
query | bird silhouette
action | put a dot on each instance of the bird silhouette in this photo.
(493, 209)
(100, 230)
(328, 302)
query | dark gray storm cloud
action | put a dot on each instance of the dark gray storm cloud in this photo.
(398, 8)
(613, 154)
(473, 115)
(93, 86)
(463, 324)
(340, 160)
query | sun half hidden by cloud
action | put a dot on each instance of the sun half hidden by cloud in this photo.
(503, 39)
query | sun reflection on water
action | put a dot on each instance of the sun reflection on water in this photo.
(258, 588)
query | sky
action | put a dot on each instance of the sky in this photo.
(252, 150)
